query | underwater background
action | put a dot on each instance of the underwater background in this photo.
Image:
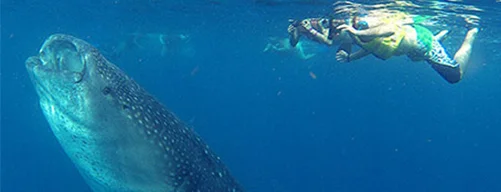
(278, 122)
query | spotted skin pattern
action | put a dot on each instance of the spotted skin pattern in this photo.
(119, 137)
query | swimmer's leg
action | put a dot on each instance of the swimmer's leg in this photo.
(462, 56)
(441, 35)
(272, 47)
(267, 48)
(162, 39)
(301, 53)
(308, 56)
(451, 70)
(447, 67)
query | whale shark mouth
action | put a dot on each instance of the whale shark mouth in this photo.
(61, 56)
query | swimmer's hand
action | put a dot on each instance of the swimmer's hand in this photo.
(348, 28)
(342, 56)
(293, 35)
(291, 29)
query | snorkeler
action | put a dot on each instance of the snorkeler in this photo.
(282, 45)
(387, 35)
(315, 28)
(321, 30)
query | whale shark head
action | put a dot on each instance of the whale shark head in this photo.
(74, 83)
(66, 73)
(119, 137)
(61, 73)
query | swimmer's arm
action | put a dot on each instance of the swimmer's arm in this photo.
(344, 53)
(370, 33)
(375, 32)
(358, 55)
(301, 51)
(406, 21)
(319, 36)
(303, 55)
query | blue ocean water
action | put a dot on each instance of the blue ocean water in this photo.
(278, 122)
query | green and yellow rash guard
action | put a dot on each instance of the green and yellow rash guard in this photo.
(385, 47)
(424, 37)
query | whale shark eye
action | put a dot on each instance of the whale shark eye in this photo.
(77, 77)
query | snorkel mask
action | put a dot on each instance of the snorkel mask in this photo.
(359, 23)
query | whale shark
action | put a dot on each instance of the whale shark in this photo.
(119, 137)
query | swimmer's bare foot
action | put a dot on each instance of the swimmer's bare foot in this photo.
(470, 37)
(472, 33)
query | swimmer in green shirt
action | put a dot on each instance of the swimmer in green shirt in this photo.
(386, 35)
